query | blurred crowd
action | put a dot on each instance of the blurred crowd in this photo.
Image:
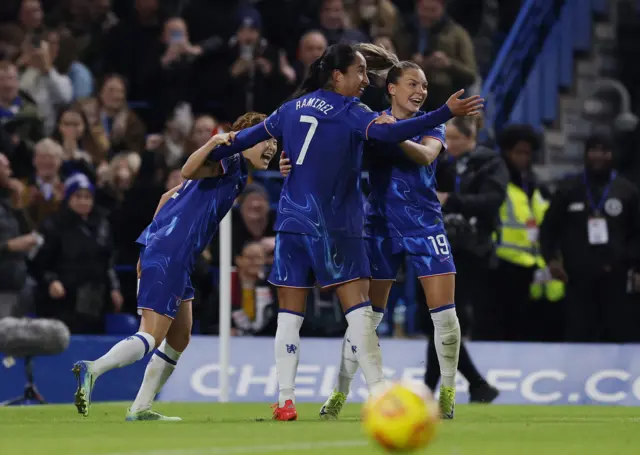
(101, 102)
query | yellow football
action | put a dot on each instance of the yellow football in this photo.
(403, 417)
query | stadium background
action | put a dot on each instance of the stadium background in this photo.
(127, 89)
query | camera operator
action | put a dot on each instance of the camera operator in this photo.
(590, 238)
(472, 186)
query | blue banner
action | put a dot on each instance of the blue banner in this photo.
(525, 373)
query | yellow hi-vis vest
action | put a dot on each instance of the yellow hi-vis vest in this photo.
(517, 239)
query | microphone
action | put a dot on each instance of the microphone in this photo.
(25, 337)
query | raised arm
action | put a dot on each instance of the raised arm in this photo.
(197, 167)
(245, 139)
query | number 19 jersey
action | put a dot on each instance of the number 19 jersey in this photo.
(323, 134)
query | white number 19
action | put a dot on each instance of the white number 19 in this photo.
(313, 122)
(440, 245)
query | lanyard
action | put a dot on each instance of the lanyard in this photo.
(603, 198)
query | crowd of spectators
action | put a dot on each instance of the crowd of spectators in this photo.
(101, 101)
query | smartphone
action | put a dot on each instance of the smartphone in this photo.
(176, 36)
(246, 53)
(36, 39)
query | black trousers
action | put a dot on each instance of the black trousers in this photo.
(503, 315)
(598, 308)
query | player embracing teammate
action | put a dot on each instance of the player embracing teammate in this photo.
(320, 220)
(320, 226)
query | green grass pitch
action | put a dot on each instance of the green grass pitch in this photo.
(246, 429)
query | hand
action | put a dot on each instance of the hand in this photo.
(385, 119)
(438, 60)
(222, 139)
(69, 137)
(285, 69)
(16, 186)
(173, 52)
(269, 244)
(442, 197)
(117, 300)
(41, 58)
(285, 165)
(264, 65)
(23, 243)
(103, 174)
(240, 67)
(557, 271)
(56, 290)
(467, 107)
(153, 141)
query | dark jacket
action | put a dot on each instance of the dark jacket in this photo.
(564, 233)
(477, 185)
(13, 266)
(78, 253)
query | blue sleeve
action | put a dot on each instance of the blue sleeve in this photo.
(274, 124)
(437, 133)
(245, 139)
(401, 131)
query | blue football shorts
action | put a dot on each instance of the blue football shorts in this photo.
(301, 261)
(430, 255)
(162, 286)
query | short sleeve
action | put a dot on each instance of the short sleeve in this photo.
(274, 124)
(360, 117)
(437, 133)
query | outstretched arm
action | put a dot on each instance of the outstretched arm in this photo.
(401, 131)
(245, 139)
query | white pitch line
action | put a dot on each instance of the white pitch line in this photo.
(233, 450)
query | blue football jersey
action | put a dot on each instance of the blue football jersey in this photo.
(186, 223)
(403, 200)
(323, 135)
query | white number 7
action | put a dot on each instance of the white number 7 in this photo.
(307, 140)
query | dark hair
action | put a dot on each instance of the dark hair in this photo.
(398, 70)
(512, 134)
(339, 57)
(87, 142)
(466, 125)
(107, 78)
(598, 139)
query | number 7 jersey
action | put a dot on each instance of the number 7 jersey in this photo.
(323, 135)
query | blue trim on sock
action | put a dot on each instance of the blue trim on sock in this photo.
(146, 343)
(165, 357)
(443, 308)
(295, 313)
(360, 305)
(377, 309)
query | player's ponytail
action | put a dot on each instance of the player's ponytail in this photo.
(379, 60)
(339, 57)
